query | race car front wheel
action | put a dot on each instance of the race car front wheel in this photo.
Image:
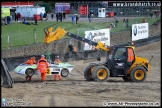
(29, 72)
(64, 72)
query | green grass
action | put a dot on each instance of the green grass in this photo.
(23, 35)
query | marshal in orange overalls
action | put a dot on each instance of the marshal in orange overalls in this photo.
(42, 67)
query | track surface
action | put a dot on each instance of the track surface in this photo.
(75, 91)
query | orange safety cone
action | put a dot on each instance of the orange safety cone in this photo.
(57, 77)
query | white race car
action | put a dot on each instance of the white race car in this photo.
(62, 68)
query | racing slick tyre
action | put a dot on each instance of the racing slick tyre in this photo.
(127, 78)
(88, 72)
(1, 80)
(100, 73)
(29, 72)
(138, 74)
(64, 72)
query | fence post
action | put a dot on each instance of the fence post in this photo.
(34, 35)
(10, 38)
(78, 29)
(101, 25)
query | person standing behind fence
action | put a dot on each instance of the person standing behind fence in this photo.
(19, 17)
(116, 23)
(72, 19)
(45, 16)
(35, 19)
(115, 15)
(77, 18)
(127, 22)
(52, 16)
(16, 18)
(64, 15)
(89, 17)
(8, 20)
(57, 17)
(124, 23)
(41, 16)
(60, 15)
(92, 14)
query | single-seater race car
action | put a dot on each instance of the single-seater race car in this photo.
(62, 68)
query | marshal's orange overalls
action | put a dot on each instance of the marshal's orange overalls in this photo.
(42, 67)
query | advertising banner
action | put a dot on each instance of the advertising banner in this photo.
(62, 7)
(102, 35)
(139, 31)
(83, 9)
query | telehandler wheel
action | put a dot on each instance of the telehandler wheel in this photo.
(100, 73)
(88, 73)
(138, 74)
(127, 78)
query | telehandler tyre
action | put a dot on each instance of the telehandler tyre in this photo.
(138, 74)
(100, 73)
(88, 73)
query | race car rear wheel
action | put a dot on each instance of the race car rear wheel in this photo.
(64, 72)
(29, 72)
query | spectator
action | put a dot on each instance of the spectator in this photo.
(64, 15)
(41, 16)
(19, 17)
(27, 23)
(115, 15)
(127, 22)
(35, 19)
(72, 18)
(45, 16)
(89, 17)
(8, 20)
(151, 15)
(77, 18)
(16, 18)
(124, 21)
(92, 14)
(116, 23)
(52, 16)
(57, 17)
(156, 14)
(60, 15)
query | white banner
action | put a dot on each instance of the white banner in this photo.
(102, 35)
(139, 31)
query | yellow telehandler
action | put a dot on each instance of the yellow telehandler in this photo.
(121, 60)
